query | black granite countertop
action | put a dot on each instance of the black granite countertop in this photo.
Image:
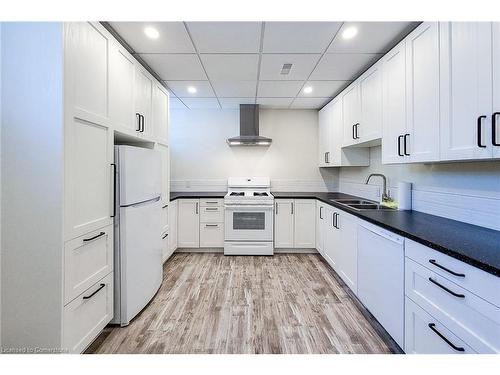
(472, 244)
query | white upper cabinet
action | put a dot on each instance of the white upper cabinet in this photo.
(466, 83)
(143, 91)
(86, 61)
(121, 89)
(495, 140)
(160, 114)
(351, 114)
(324, 135)
(370, 96)
(394, 104)
(422, 94)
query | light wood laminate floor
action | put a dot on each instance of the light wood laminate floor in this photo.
(211, 303)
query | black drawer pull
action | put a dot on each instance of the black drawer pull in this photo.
(212, 225)
(434, 329)
(93, 238)
(211, 202)
(165, 236)
(320, 212)
(494, 128)
(445, 288)
(93, 294)
(433, 262)
(211, 208)
(165, 206)
(479, 136)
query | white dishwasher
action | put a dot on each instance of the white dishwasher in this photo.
(381, 277)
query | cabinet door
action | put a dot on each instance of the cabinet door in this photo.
(332, 238)
(121, 89)
(160, 114)
(393, 104)
(143, 100)
(370, 94)
(88, 177)
(336, 135)
(283, 223)
(165, 172)
(466, 76)
(172, 225)
(347, 255)
(320, 226)
(304, 211)
(86, 68)
(324, 131)
(496, 90)
(188, 223)
(351, 113)
(422, 93)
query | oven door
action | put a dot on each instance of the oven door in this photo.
(248, 223)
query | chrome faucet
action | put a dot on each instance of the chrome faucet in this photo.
(385, 194)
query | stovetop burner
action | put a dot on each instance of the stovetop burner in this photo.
(260, 194)
(237, 194)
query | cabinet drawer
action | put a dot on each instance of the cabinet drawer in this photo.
(87, 315)
(475, 280)
(472, 319)
(87, 259)
(211, 214)
(211, 235)
(211, 202)
(426, 335)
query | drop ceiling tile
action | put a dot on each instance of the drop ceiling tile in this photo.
(298, 37)
(173, 37)
(226, 37)
(342, 66)
(277, 89)
(302, 65)
(372, 37)
(274, 102)
(180, 89)
(227, 67)
(309, 103)
(234, 103)
(201, 103)
(179, 67)
(324, 89)
(175, 103)
(239, 89)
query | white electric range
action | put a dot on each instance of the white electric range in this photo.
(249, 207)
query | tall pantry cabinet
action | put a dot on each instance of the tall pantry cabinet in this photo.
(69, 91)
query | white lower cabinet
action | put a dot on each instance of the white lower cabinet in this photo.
(188, 223)
(332, 238)
(211, 223)
(346, 252)
(172, 226)
(426, 335)
(87, 259)
(321, 227)
(212, 235)
(295, 223)
(87, 315)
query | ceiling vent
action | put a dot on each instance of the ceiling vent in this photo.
(286, 69)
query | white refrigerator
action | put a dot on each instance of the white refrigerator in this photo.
(138, 265)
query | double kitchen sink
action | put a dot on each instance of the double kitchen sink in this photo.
(361, 204)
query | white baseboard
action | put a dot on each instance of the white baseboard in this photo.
(469, 206)
(221, 250)
(296, 251)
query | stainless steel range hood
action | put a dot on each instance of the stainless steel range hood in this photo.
(249, 128)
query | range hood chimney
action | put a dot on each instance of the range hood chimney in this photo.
(249, 128)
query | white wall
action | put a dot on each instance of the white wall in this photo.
(201, 158)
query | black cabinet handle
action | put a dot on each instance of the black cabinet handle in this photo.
(434, 329)
(494, 128)
(165, 236)
(399, 145)
(479, 136)
(405, 144)
(337, 220)
(93, 238)
(356, 136)
(93, 294)
(196, 210)
(325, 157)
(291, 208)
(445, 288)
(138, 115)
(327, 154)
(165, 206)
(434, 263)
(333, 220)
(113, 165)
(211, 208)
(142, 124)
(321, 212)
(353, 132)
(211, 225)
(276, 208)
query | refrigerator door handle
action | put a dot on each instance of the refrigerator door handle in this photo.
(113, 196)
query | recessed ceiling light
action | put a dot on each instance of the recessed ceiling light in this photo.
(151, 32)
(308, 90)
(192, 90)
(349, 32)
